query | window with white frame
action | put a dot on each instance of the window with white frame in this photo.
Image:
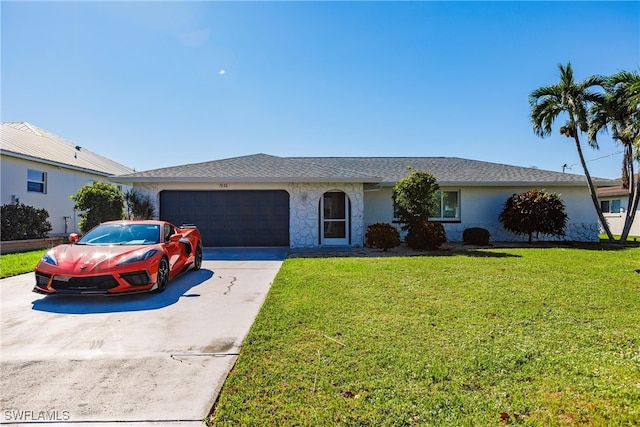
(448, 208)
(610, 206)
(36, 181)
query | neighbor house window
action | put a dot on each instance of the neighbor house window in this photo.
(36, 181)
(448, 206)
(610, 206)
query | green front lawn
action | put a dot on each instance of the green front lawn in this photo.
(484, 337)
(14, 264)
(630, 239)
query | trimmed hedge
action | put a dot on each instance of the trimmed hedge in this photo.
(22, 222)
(382, 236)
(476, 236)
(426, 235)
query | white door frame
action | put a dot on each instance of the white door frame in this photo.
(340, 217)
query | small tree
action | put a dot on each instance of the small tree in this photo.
(534, 211)
(98, 203)
(139, 206)
(415, 198)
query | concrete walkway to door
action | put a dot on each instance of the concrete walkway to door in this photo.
(148, 359)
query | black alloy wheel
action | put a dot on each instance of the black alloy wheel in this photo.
(163, 275)
(197, 262)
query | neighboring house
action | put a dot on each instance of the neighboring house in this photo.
(614, 202)
(42, 170)
(263, 200)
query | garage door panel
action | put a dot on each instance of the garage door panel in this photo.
(231, 218)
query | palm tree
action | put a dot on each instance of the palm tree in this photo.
(571, 98)
(139, 205)
(621, 114)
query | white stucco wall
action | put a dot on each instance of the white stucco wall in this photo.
(481, 206)
(61, 183)
(616, 220)
(304, 200)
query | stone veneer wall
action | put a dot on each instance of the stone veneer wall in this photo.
(576, 232)
(304, 205)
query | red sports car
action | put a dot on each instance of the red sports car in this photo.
(118, 257)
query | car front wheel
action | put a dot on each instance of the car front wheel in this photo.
(163, 275)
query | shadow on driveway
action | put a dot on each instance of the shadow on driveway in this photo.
(178, 288)
(94, 304)
(276, 253)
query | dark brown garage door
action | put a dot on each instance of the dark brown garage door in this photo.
(231, 218)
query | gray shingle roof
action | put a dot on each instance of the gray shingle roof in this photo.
(456, 171)
(256, 167)
(385, 170)
(24, 140)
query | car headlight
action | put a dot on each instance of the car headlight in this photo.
(49, 258)
(137, 256)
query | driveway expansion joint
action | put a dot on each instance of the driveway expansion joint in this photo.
(176, 356)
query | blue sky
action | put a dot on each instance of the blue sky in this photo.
(157, 84)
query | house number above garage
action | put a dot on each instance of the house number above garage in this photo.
(223, 185)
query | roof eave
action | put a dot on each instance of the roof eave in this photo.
(513, 184)
(142, 179)
(618, 193)
(52, 163)
(540, 184)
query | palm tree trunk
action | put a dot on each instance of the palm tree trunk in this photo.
(632, 207)
(632, 185)
(592, 190)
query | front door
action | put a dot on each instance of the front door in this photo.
(335, 218)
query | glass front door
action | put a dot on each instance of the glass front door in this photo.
(335, 218)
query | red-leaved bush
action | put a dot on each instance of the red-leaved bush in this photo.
(534, 212)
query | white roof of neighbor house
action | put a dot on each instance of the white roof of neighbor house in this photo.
(26, 141)
(380, 170)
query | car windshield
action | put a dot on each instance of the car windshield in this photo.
(122, 234)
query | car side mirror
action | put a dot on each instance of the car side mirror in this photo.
(73, 237)
(175, 237)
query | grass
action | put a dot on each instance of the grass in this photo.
(630, 239)
(19, 263)
(539, 337)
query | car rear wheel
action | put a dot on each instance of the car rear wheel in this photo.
(163, 275)
(197, 262)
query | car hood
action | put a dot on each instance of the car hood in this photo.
(86, 259)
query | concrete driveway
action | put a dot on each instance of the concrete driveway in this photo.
(149, 359)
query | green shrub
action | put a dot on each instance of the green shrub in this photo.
(426, 235)
(476, 236)
(382, 236)
(415, 198)
(98, 203)
(20, 222)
